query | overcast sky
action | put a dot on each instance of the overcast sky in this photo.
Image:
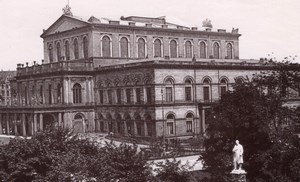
(267, 26)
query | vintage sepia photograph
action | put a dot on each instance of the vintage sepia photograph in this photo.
(150, 91)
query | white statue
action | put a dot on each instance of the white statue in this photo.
(238, 156)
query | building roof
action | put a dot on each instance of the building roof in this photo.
(135, 21)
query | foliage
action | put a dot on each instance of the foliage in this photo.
(254, 113)
(59, 155)
(172, 171)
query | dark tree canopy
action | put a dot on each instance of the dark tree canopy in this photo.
(58, 155)
(254, 113)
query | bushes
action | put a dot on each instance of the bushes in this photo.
(58, 155)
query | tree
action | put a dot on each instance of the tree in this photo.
(58, 155)
(253, 113)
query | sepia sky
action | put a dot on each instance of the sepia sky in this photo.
(267, 26)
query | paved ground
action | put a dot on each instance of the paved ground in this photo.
(190, 160)
(4, 139)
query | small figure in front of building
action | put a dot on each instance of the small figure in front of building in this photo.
(238, 156)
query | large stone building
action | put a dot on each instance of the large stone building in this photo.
(5, 90)
(138, 76)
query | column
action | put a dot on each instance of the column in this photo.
(59, 119)
(65, 91)
(7, 124)
(96, 125)
(134, 128)
(92, 92)
(5, 96)
(69, 92)
(203, 120)
(1, 124)
(23, 124)
(145, 129)
(35, 122)
(16, 125)
(87, 91)
(41, 121)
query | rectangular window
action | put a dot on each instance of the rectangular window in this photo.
(169, 94)
(129, 95)
(189, 126)
(138, 95)
(109, 96)
(101, 96)
(206, 93)
(170, 128)
(188, 93)
(119, 99)
(149, 95)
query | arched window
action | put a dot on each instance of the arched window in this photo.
(78, 116)
(109, 122)
(169, 90)
(77, 93)
(26, 95)
(141, 48)
(124, 47)
(188, 49)
(50, 51)
(41, 94)
(229, 51)
(206, 90)
(150, 125)
(129, 123)
(100, 127)
(50, 94)
(202, 50)
(239, 80)
(58, 51)
(173, 49)
(67, 50)
(216, 51)
(170, 124)
(189, 122)
(106, 46)
(76, 49)
(59, 97)
(223, 86)
(139, 125)
(157, 48)
(85, 47)
(188, 90)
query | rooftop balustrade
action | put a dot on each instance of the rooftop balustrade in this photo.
(74, 65)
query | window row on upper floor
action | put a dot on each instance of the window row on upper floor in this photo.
(77, 48)
(169, 93)
(74, 48)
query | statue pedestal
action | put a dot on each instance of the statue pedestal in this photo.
(238, 175)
